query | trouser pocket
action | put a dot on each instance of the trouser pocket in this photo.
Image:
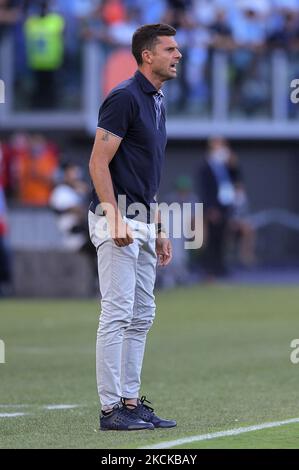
(98, 229)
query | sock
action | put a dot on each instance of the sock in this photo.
(109, 408)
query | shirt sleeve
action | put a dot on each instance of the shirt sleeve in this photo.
(117, 112)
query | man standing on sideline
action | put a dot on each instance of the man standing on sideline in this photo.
(125, 165)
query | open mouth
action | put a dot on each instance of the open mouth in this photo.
(173, 66)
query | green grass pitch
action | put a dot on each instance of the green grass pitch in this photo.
(217, 358)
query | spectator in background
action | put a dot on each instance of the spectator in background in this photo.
(8, 170)
(249, 27)
(121, 32)
(205, 11)
(221, 32)
(191, 93)
(216, 191)
(19, 149)
(69, 76)
(37, 167)
(151, 10)
(95, 26)
(74, 13)
(240, 228)
(45, 53)
(285, 5)
(113, 12)
(285, 35)
(250, 85)
(113, 23)
(10, 13)
(180, 222)
(5, 255)
(180, 6)
(69, 200)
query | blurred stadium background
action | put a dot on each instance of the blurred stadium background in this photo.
(239, 58)
(228, 353)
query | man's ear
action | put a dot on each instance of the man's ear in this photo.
(147, 56)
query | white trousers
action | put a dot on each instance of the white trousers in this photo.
(126, 277)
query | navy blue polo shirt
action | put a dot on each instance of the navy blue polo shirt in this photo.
(129, 112)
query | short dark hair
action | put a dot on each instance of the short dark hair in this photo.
(146, 37)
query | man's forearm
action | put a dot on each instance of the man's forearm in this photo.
(102, 182)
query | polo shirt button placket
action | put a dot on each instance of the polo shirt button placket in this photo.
(158, 103)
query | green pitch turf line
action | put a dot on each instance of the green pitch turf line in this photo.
(215, 435)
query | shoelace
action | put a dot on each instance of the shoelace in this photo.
(143, 400)
(130, 408)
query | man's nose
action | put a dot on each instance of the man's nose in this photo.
(178, 55)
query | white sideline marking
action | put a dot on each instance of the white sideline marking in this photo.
(48, 350)
(13, 406)
(60, 407)
(214, 435)
(45, 407)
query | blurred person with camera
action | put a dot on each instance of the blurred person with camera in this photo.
(69, 201)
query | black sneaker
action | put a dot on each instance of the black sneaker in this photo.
(123, 418)
(146, 413)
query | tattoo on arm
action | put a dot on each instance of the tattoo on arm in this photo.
(106, 136)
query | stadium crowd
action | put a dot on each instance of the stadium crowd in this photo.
(246, 22)
(245, 29)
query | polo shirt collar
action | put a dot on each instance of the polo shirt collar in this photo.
(146, 85)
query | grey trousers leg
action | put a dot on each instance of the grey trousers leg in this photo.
(126, 277)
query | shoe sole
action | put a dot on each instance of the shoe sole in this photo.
(166, 426)
(129, 429)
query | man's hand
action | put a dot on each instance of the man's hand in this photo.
(163, 249)
(121, 233)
